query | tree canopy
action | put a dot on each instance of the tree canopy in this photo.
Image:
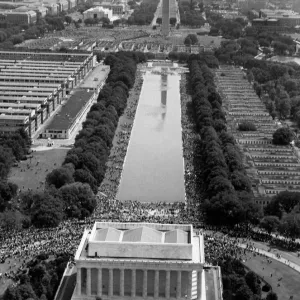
(282, 136)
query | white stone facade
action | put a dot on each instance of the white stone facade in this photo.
(97, 12)
(119, 274)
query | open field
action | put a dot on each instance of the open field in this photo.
(289, 284)
(31, 173)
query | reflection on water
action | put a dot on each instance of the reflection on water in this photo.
(153, 169)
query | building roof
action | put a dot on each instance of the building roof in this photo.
(17, 111)
(177, 236)
(20, 106)
(142, 234)
(108, 234)
(13, 117)
(146, 241)
(64, 119)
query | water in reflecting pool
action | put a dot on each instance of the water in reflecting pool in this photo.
(153, 168)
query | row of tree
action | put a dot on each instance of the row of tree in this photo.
(226, 187)
(71, 188)
(143, 13)
(230, 29)
(210, 60)
(189, 15)
(13, 147)
(11, 35)
(240, 50)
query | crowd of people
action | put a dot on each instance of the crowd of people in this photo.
(19, 247)
(188, 141)
(110, 184)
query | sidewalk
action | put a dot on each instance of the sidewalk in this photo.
(273, 256)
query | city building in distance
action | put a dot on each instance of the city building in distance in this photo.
(98, 12)
(276, 20)
(141, 261)
(34, 84)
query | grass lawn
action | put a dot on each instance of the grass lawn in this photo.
(290, 283)
(31, 173)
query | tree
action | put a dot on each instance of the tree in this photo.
(224, 209)
(79, 200)
(252, 282)
(280, 48)
(8, 190)
(11, 220)
(283, 106)
(191, 39)
(282, 203)
(187, 41)
(117, 22)
(240, 181)
(68, 19)
(17, 39)
(173, 21)
(105, 20)
(25, 291)
(282, 136)
(272, 296)
(6, 161)
(250, 76)
(290, 225)
(270, 223)
(247, 126)
(59, 177)
(297, 118)
(244, 293)
(84, 176)
(47, 211)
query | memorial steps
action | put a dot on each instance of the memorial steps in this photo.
(271, 168)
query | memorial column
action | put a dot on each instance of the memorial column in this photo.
(88, 281)
(110, 283)
(199, 281)
(121, 282)
(133, 282)
(99, 283)
(190, 278)
(145, 282)
(178, 287)
(78, 283)
(167, 290)
(156, 284)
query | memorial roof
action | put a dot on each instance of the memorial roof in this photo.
(141, 234)
(141, 241)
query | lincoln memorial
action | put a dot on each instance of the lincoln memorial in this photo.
(140, 261)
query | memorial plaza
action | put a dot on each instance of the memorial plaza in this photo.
(141, 261)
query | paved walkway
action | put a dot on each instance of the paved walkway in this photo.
(286, 257)
(273, 256)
